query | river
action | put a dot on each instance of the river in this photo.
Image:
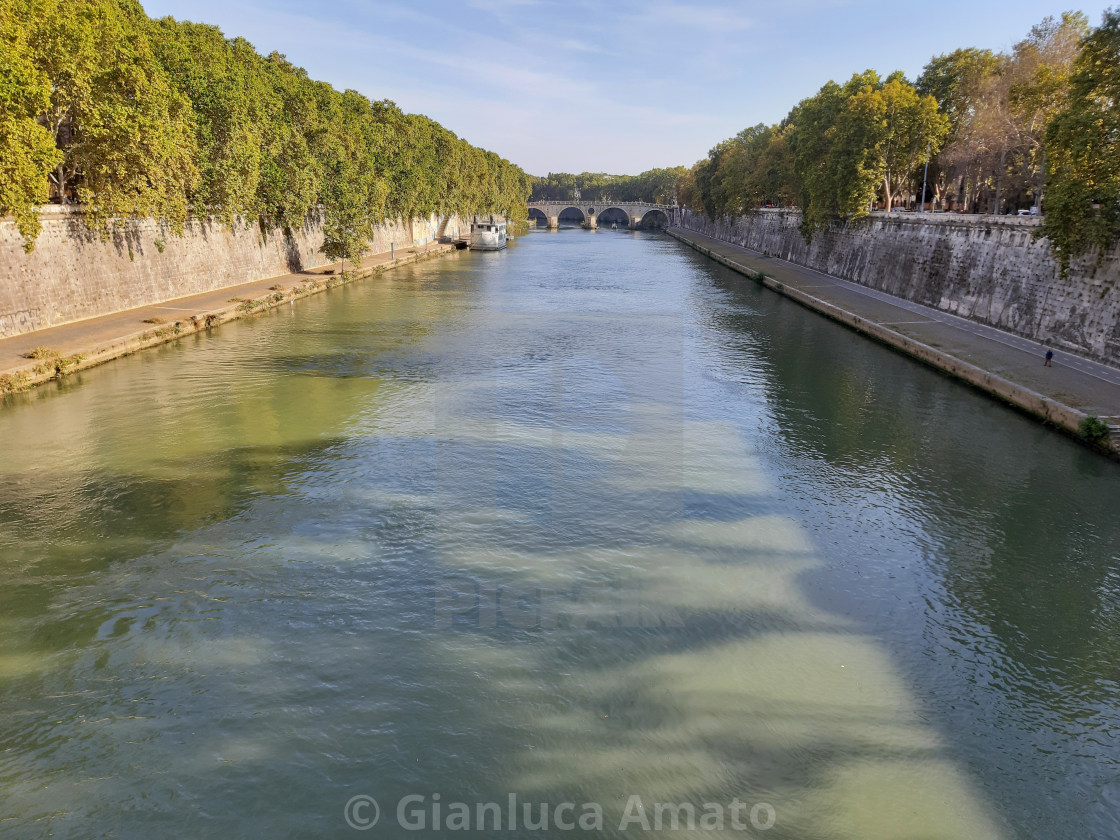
(591, 520)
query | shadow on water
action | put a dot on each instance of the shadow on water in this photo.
(1013, 565)
(325, 634)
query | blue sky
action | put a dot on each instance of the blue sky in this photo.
(593, 85)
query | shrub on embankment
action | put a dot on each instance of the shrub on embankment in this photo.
(1093, 429)
(140, 118)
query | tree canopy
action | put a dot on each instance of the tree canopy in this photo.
(27, 150)
(985, 132)
(1082, 145)
(832, 155)
(134, 118)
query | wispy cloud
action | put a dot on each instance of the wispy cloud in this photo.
(506, 11)
(572, 45)
(713, 19)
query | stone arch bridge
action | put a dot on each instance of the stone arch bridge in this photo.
(591, 214)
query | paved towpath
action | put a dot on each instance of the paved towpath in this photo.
(1077, 382)
(118, 328)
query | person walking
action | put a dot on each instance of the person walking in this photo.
(1049, 358)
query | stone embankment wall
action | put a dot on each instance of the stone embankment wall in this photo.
(985, 268)
(74, 274)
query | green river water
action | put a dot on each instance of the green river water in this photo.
(593, 521)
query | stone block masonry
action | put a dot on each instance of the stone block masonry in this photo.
(73, 274)
(988, 269)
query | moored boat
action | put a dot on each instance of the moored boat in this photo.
(488, 233)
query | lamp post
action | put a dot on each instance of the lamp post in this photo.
(925, 178)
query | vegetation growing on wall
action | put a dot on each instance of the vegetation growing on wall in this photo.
(134, 118)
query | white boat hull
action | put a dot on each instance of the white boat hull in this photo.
(488, 241)
(488, 234)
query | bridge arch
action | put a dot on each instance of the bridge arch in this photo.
(538, 216)
(571, 213)
(613, 214)
(655, 218)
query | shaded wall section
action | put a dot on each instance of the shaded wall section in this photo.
(985, 268)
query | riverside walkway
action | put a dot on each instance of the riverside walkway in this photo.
(1085, 386)
(107, 337)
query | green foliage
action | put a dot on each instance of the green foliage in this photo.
(1083, 151)
(123, 131)
(232, 104)
(754, 170)
(998, 107)
(139, 118)
(1093, 429)
(896, 129)
(983, 130)
(346, 219)
(832, 155)
(27, 151)
(953, 78)
(832, 172)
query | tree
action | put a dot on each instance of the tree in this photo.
(139, 118)
(1082, 145)
(998, 107)
(897, 128)
(233, 107)
(952, 79)
(773, 178)
(124, 133)
(956, 80)
(1040, 83)
(835, 178)
(733, 187)
(688, 193)
(346, 227)
(27, 150)
(657, 186)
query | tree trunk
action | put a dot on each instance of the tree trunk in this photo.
(60, 182)
(1041, 182)
(999, 180)
(887, 193)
